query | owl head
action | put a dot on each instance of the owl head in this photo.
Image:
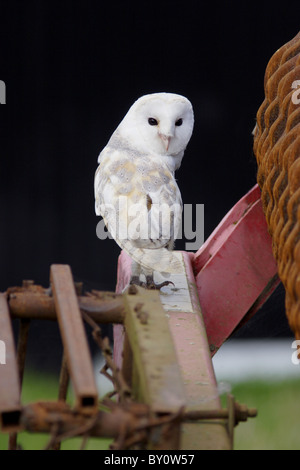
(159, 123)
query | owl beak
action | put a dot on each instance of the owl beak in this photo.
(165, 140)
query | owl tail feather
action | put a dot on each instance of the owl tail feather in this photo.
(160, 259)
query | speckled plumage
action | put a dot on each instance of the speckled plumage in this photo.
(137, 168)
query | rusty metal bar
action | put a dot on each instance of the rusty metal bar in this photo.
(9, 374)
(129, 424)
(215, 414)
(21, 356)
(103, 307)
(74, 337)
(22, 346)
(42, 416)
(64, 380)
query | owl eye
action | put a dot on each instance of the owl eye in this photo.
(152, 122)
(178, 122)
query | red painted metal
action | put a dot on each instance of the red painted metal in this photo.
(225, 228)
(235, 269)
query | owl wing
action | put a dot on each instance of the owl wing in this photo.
(140, 203)
(161, 195)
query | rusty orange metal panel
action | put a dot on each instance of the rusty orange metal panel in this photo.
(277, 151)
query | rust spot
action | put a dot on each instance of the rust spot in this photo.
(141, 314)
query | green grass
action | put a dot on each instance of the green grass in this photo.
(275, 428)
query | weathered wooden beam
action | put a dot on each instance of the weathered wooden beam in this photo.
(74, 337)
(185, 323)
(153, 351)
(156, 377)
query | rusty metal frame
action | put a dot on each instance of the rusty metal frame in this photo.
(162, 354)
(152, 375)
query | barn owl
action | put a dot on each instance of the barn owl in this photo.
(135, 188)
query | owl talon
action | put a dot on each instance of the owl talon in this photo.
(135, 281)
(150, 284)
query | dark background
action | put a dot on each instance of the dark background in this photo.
(72, 69)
